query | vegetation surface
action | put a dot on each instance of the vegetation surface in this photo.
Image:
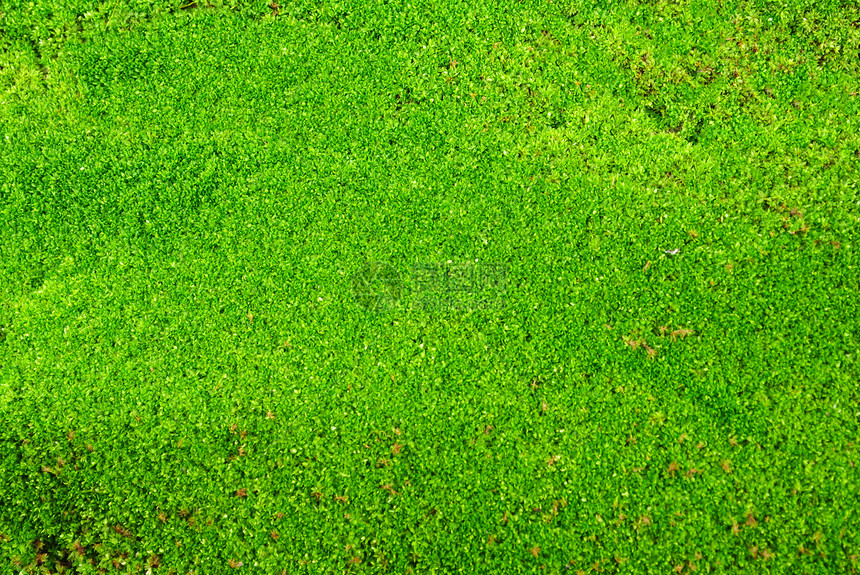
(224, 346)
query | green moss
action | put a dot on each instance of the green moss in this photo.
(638, 350)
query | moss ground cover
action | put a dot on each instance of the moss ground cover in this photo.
(636, 223)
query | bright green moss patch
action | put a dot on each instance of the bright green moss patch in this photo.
(199, 205)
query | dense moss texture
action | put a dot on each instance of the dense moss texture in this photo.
(192, 375)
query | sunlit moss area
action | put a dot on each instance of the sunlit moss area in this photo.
(429, 287)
